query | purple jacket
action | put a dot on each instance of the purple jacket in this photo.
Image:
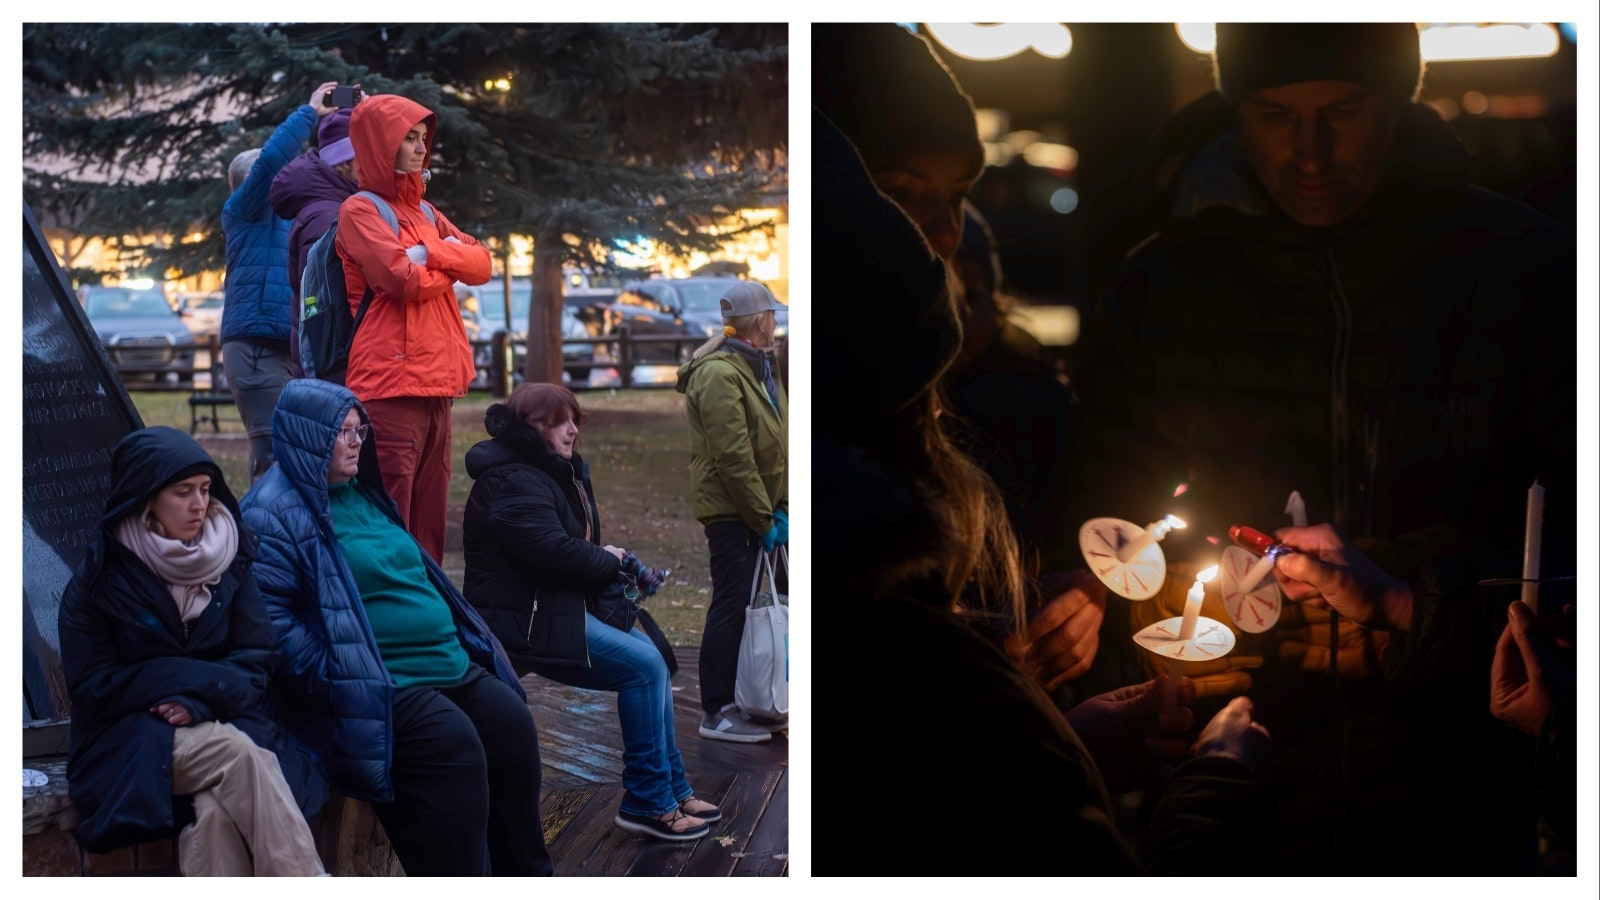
(308, 191)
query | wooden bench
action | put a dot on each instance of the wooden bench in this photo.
(213, 396)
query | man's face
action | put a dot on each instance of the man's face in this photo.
(930, 189)
(1319, 147)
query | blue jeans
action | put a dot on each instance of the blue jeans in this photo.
(653, 781)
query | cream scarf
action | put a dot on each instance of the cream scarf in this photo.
(189, 570)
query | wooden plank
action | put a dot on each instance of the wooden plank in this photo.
(742, 808)
(559, 809)
(579, 850)
(767, 851)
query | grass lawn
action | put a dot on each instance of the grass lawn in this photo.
(637, 445)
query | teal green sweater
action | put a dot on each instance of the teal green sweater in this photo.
(416, 633)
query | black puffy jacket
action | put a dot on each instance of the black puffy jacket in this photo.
(530, 569)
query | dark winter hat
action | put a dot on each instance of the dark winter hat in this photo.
(888, 92)
(333, 138)
(1382, 56)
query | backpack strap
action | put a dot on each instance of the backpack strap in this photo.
(387, 213)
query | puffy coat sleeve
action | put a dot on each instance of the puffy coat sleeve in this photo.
(249, 202)
(467, 262)
(727, 436)
(283, 570)
(529, 531)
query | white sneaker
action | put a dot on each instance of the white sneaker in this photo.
(731, 725)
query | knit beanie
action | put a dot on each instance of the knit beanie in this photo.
(1384, 57)
(894, 330)
(333, 138)
(885, 88)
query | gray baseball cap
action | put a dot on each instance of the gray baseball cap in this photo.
(746, 298)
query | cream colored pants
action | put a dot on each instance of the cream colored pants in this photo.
(246, 820)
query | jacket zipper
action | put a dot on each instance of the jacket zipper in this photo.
(533, 612)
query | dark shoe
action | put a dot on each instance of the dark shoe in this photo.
(663, 829)
(708, 816)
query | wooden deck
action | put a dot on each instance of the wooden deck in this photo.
(580, 744)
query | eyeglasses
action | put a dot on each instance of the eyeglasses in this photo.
(354, 436)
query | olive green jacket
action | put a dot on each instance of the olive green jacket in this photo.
(740, 464)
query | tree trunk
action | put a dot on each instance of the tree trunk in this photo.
(544, 313)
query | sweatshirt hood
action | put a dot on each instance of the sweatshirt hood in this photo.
(376, 129)
(147, 460)
(305, 180)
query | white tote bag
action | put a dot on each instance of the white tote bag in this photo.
(761, 687)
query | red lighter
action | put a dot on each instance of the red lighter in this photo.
(1257, 542)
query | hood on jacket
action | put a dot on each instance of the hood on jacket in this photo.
(305, 180)
(511, 440)
(305, 427)
(376, 128)
(145, 461)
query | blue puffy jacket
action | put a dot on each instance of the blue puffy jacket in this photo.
(339, 695)
(257, 240)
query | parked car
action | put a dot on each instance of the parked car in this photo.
(202, 313)
(696, 301)
(141, 332)
(485, 304)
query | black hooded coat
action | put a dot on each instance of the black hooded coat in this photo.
(124, 650)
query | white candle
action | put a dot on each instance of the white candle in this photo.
(1191, 616)
(1155, 532)
(1257, 572)
(1530, 546)
(1296, 509)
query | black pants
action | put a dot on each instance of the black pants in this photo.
(735, 550)
(466, 781)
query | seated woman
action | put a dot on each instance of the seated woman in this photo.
(536, 568)
(394, 679)
(167, 652)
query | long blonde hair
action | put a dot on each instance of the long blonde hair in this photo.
(732, 326)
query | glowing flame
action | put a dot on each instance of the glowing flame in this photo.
(1180, 491)
(1176, 522)
(1206, 574)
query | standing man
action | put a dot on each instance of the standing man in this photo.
(1321, 302)
(255, 319)
(410, 358)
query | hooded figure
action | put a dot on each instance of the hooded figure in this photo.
(148, 621)
(374, 638)
(308, 191)
(410, 357)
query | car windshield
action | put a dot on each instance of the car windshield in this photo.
(124, 303)
(492, 301)
(212, 302)
(704, 296)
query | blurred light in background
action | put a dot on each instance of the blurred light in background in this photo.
(1000, 40)
(1440, 41)
(992, 123)
(1474, 103)
(1052, 326)
(1045, 155)
(1064, 200)
(1570, 32)
(1452, 40)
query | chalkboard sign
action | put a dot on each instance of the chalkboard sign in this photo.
(74, 410)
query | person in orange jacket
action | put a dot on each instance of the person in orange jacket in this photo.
(410, 358)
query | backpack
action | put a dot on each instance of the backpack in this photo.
(327, 327)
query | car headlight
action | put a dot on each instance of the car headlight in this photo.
(711, 330)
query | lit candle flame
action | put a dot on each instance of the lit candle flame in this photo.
(1206, 574)
(1176, 522)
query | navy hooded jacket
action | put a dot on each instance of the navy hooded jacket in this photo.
(124, 650)
(338, 695)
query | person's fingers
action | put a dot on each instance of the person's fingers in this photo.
(1224, 684)
(1055, 612)
(1525, 629)
(1506, 671)
(1070, 634)
(1175, 718)
(1322, 541)
(1246, 661)
(1304, 656)
(1309, 571)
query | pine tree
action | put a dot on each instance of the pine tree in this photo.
(584, 136)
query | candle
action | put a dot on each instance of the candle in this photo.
(1530, 547)
(1155, 532)
(1296, 509)
(1191, 616)
(1257, 572)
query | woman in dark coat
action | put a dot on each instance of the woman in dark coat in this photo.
(538, 571)
(168, 654)
(396, 681)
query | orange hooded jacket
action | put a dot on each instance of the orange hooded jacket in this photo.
(411, 343)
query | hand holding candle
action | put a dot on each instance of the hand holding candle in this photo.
(1191, 617)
